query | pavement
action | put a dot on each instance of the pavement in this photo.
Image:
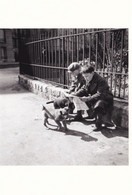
(25, 141)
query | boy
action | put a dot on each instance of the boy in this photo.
(96, 95)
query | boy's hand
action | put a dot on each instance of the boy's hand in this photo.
(85, 99)
(67, 91)
(72, 93)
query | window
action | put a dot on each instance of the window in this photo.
(3, 53)
(2, 35)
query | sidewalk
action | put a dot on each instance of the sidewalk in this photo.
(25, 141)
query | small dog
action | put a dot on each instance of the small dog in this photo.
(58, 116)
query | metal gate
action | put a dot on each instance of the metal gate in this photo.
(46, 53)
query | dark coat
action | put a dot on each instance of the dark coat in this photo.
(98, 89)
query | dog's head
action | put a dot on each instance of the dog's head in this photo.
(61, 103)
(64, 112)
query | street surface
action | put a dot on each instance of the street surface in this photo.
(25, 141)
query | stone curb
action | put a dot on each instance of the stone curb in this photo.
(45, 90)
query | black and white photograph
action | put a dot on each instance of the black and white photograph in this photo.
(65, 97)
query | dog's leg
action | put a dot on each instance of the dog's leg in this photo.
(46, 120)
(59, 125)
(65, 125)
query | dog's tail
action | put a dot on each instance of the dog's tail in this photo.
(49, 102)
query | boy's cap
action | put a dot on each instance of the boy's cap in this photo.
(73, 66)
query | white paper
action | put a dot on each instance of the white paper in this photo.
(79, 104)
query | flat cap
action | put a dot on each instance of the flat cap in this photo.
(73, 66)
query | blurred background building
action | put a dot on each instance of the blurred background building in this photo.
(8, 47)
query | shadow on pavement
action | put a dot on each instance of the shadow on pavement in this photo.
(115, 133)
(84, 136)
(118, 132)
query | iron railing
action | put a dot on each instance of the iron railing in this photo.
(46, 54)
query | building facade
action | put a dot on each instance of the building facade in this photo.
(8, 47)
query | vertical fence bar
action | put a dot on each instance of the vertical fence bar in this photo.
(63, 63)
(90, 47)
(37, 44)
(33, 49)
(104, 51)
(108, 58)
(59, 55)
(115, 81)
(83, 45)
(56, 53)
(31, 59)
(40, 50)
(96, 57)
(62, 51)
(53, 61)
(55, 48)
(41, 62)
(124, 90)
(48, 49)
(36, 54)
(44, 55)
(29, 51)
(31, 56)
(120, 77)
(33, 53)
(112, 51)
(122, 43)
(40, 54)
(36, 58)
(72, 48)
(52, 55)
(46, 69)
(49, 72)
(68, 56)
(77, 46)
(67, 50)
(65, 59)
(44, 52)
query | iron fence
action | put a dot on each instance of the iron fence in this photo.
(46, 54)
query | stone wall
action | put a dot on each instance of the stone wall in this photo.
(47, 91)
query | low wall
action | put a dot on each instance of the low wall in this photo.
(49, 91)
(9, 64)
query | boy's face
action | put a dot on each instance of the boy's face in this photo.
(88, 76)
(76, 72)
